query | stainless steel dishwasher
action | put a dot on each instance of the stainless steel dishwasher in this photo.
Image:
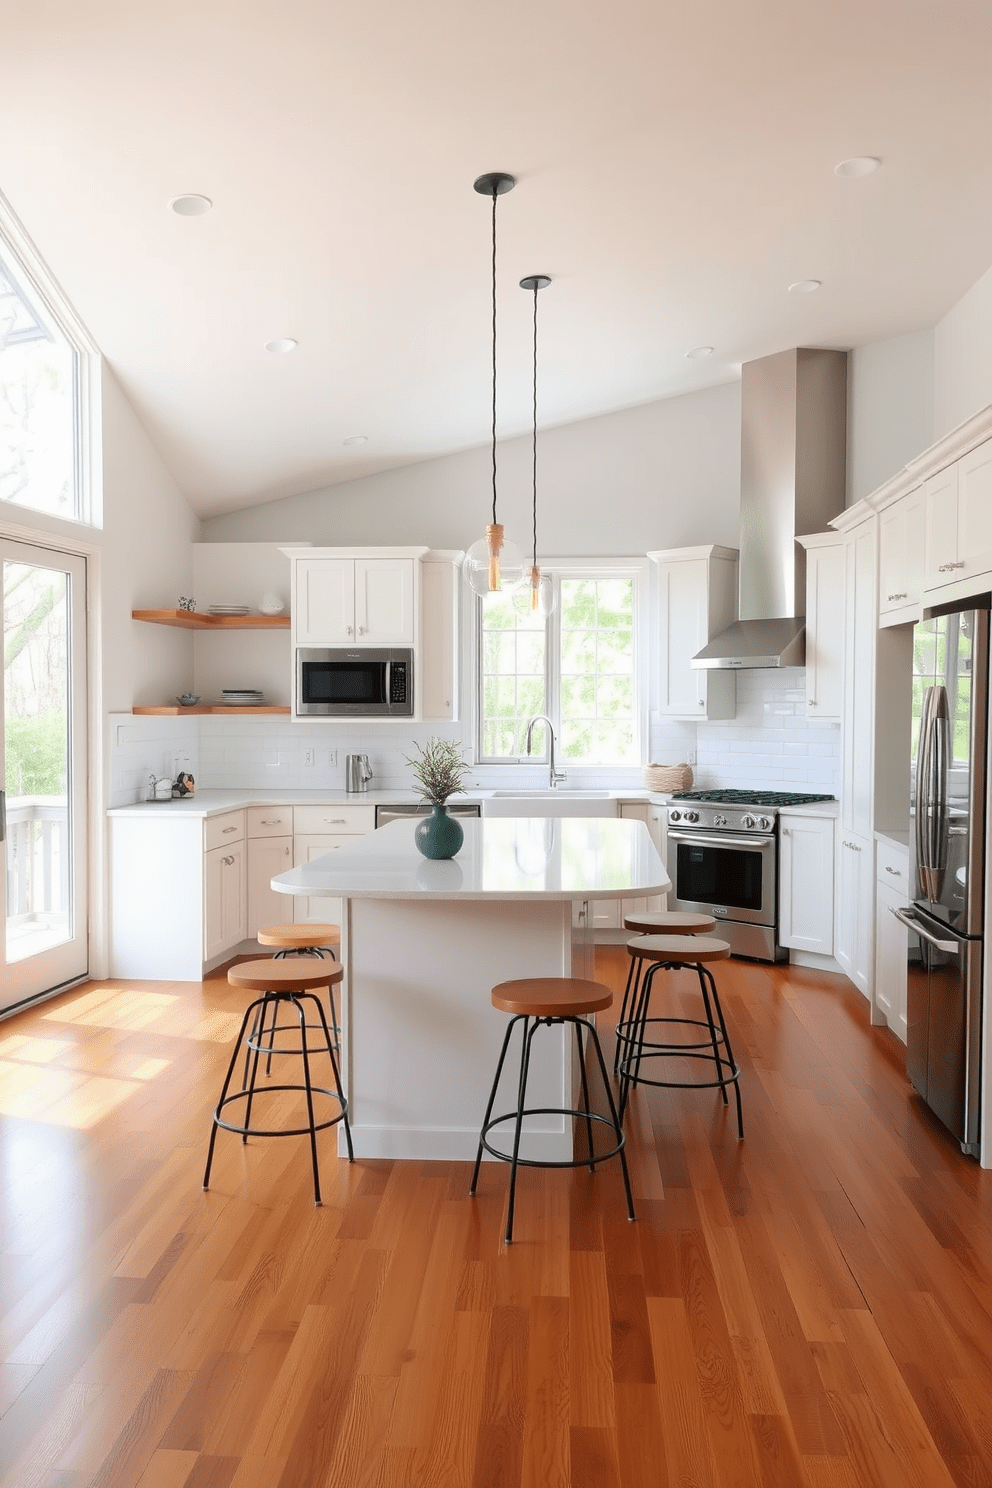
(403, 812)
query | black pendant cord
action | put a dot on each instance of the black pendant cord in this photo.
(495, 194)
(534, 444)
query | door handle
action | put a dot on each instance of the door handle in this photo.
(917, 929)
(698, 839)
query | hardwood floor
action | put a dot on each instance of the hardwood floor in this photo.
(807, 1309)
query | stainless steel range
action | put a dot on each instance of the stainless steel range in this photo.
(723, 860)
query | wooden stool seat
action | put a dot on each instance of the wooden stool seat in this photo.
(678, 950)
(551, 997)
(270, 975)
(542, 1002)
(299, 937)
(669, 922)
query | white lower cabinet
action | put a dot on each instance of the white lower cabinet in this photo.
(225, 906)
(267, 856)
(892, 892)
(806, 883)
(319, 830)
(855, 900)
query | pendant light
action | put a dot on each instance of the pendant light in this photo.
(542, 590)
(492, 564)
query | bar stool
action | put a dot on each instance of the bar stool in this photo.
(306, 939)
(537, 1002)
(653, 922)
(281, 983)
(667, 953)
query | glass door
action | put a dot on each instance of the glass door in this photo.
(43, 930)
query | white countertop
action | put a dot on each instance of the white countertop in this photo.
(812, 808)
(521, 858)
(213, 802)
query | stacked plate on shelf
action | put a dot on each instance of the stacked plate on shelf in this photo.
(242, 697)
(228, 609)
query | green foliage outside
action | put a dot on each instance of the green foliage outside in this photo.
(35, 755)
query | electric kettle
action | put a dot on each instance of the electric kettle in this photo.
(357, 772)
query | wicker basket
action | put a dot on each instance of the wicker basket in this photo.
(668, 777)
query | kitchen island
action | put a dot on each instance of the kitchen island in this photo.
(424, 942)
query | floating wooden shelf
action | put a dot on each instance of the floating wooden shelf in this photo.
(193, 620)
(200, 708)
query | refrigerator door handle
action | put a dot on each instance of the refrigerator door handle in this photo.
(917, 929)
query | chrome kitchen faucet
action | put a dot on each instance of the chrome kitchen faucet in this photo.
(555, 776)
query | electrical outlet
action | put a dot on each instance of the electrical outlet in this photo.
(690, 758)
(332, 758)
(310, 758)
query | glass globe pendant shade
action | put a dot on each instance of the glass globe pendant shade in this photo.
(541, 593)
(492, 565)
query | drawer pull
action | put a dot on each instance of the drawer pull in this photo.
(271, 821)
(228, 830)
(898, 596)
(334, 821)
(949, 567)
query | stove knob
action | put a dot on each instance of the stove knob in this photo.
(674, 815)
(719, 821)
(765, 823)
(691, 816)
(748, 821)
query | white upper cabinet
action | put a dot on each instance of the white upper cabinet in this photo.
(959, 523)
(824, 627)
(354, 601)
(697, 598)
(900, 559)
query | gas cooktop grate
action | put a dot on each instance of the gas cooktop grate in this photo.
(749, 797)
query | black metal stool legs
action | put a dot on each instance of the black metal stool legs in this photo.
(316, 951)
(261, 1040)
(716, 1047)
(629, 1003)
(530, 1025)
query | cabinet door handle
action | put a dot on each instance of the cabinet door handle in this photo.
(228, 830)
(948, 567)
(351, 630)
(361, 630)
(896, 871)
(271, 821)
(334, 821)
(228, 859)
(811, 702)
(898, 596)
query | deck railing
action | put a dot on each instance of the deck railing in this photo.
(37, 851)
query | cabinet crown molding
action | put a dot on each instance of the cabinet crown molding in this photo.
(684, 555)
(967, 436)
(364, 552)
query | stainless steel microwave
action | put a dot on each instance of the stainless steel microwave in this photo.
(354, 682)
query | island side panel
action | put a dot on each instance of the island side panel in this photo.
(422, 1035)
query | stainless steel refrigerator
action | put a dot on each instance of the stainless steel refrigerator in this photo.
(944, 989)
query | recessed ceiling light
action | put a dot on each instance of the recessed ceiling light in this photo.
(698, 352)
(356, 439)
(805, 286)
(858, 165)
(281, 344)
(191, 204)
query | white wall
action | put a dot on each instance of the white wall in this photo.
(148, 533)
(890, 409)
(663, 475)
(963, 358)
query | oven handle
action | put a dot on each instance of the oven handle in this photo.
(758, 844)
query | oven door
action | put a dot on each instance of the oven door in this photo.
(721, 874)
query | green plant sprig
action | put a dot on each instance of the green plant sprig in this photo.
(438, 769)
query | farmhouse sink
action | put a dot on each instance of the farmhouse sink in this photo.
(549, 803)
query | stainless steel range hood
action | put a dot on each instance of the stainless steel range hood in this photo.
(793, 475)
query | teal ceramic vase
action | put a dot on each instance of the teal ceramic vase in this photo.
(439, 835)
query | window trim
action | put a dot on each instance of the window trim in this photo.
(636, 568)
(39, 281)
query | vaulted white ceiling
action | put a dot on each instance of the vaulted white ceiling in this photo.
(675, 166)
